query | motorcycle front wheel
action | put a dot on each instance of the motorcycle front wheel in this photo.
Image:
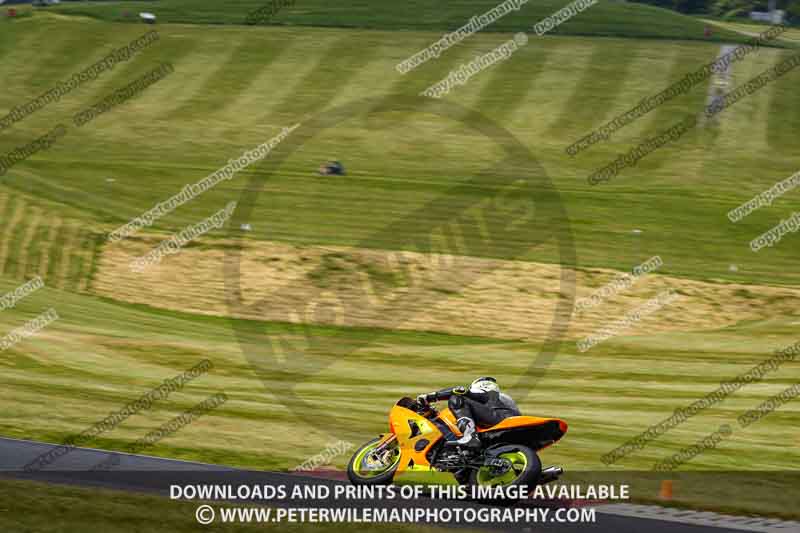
(367, 467)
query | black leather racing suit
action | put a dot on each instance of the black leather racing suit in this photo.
(485, 408)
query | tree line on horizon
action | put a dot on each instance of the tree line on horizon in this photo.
(726, 9)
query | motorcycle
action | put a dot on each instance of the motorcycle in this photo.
(417, 442)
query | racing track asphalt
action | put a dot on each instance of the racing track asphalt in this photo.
(141, 473)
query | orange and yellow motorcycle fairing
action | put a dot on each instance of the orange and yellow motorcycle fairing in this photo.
(416, 443)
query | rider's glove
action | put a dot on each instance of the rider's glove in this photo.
(426, 398)
(459, 390)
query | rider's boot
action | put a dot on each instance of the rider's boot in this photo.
(469, 435)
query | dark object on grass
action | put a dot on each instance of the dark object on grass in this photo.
(331, 168)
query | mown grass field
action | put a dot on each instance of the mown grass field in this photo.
(120, 512)
(101, 354)
(236, 87)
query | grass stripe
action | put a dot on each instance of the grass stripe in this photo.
(57, 58)
(96, 244)
(55, 251)
(198, 70)
(19, 50)
(510, 85)
(333, 70)
(594, 93)
(565, 69)
(14, 214)
(67, 254)
(783, 115)
(234, 75)
(35, 214)
(36, 250)
(78, 259)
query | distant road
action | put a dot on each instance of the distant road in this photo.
(790, 36)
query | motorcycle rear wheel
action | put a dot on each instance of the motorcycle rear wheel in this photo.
(525, 468)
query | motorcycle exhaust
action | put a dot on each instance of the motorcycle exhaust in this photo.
(551, 473)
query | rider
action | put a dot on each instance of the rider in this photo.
(482, 404)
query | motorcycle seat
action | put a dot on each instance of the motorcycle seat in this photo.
(518, 421)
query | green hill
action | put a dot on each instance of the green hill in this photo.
(607, 18)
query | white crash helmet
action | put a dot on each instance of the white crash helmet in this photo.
(484, 384)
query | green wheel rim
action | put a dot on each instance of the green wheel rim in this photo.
(361, 457)
(518, 464)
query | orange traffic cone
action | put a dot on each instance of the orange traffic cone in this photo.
(666, 490)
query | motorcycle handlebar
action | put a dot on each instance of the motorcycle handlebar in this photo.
(418, 406)
(426, 409)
